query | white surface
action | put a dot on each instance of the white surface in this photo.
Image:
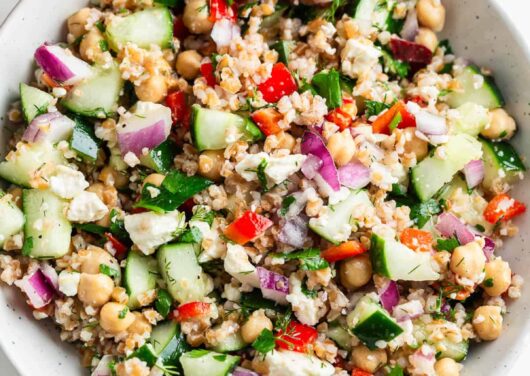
(42, 355)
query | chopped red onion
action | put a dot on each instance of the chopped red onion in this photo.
(474, 173)
(50, 275)
(224, 31)
(410, 27)
(313, 144)
(449, 226)
(294, 231)
(311, 165)
(354, 175)
(489, 248)
(52, 127)
(61, 65)
(240, 371)
(273, 286)
(389, 295)
(103, 367)
(408, 311)
(39, 292)
(430, 124)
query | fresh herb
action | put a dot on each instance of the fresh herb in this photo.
(286, 204)
(163, 302)
(447, 244)
(107, 270)
(191, 235)
(254, 300)
(414, 269)
(167, 3)
(503, 134)
(396, 371)
(265, 342)
(28, 246)
(103, 45)
(283, 47)
(220, 357)
(421, 212)
(393, 25)
(479, 227)
(446, 45)
(444, 93)
(112, 367)
(260, 171)
(176, 188)
(347, 83)
(123, 313)
(461, 261)
(245, 7)
(488, 282)
(310, 258)
(100, 26)
(92, 228)
(447, 68)
(307, 292)
(393, 66)
(203, 214)
(117, 225)
(197, 353)
(395, 121)
(306, 86)
(399, 190)
(330, 13)
(283, 319)
(374, 108)
(327, 85)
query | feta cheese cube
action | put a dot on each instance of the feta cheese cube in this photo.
(86, 207)
(69, 282)
(238, 265)
(67, 182)
(292, 363)
(278, 169)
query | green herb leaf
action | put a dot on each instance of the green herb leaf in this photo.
(327, 85)
(488, 282)
(347, 83)
(107, 270)
(220, 357)
(446, 45)
(265, 342)
(123, 313)
(374, 107)
(167, 3)
(92, 228)
(203, 214)
(28, 246)
(117, 225)
(310, 258)
(393, 66)
(396, 371)
(395, 121)
(198, 353)
(100, 26)
(103, 45)
(286, 203)
(254, 300)
(421, 212)
(283, 319)
(260, 171)
(447, 244)
(163, 302)
(192, 235)
(309, 293)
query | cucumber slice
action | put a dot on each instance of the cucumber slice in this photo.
(232, 342)
(433, 173)
(204, 362)
(393, 260)
(160, 158)
(168, 343)
(501, 163)
(143, 28)
(488, 95)
(34, 101)
(449, 189)
(371, 323)
(23, 164)
(140, 276)
(444, 347)
(455, 351)
(215, 130)
(11, 218)
(47, 232)
(84, 140)
(375, 11)
(98, 95)
(340, 335)
(182, 273)
(471, 119)
(335, 225)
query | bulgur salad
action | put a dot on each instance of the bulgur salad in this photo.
(315, 187)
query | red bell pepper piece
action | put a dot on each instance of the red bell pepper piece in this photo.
(410, 52)
(207, 72)
(297, 337)
(360, 372)
(267, 120)
(345, 250)
(191, 310)
(503, 208)
(418, 240)
(247, 227)
(119, 247)
(343, 115)
(219, 9)
(383, 123)
(180, 110)
(280, 83)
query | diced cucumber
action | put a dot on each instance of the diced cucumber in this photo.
(168, 343)
(23, 164)
(11, 218)
(204, 362)
(47, 232)
(487, 94)
(471, 118)
(450, 188)
(182, 273)
(34, 101)
(445, 348)
(142, 28)
(232, 342)
(284, 48)
(340, 335)
(215, 130)
(371, 323)
(433, 172)
(375, 11)
(84, 140)
(394, 260)
(335, 225)
(140, 276)
(455, 351)
(98, 95)
(160, 158)
(501, 163)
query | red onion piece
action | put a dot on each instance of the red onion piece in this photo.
(37, 289)
(311, 166)
(294, 231)
(449, 226)
(410, 27)
(313, 144)
(474, 173)
(273, 286)
(103, 369)
(430, 124)
(50, 275)
(52, 127)
(411, 52)
(354, 175)
(408, 311)
(489, 248)
(389, 296)
(240, 371)
(61, 65)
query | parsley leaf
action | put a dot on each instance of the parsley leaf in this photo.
(447, 244)
(260, 171)
(103, 45)
(327, 85)
(163, 302)
(254, 300)
(396, 371)
(117, 225)
(123, 313)
(92, 228)
(203, 214)
(374, 107)
(282, 320)
(347, 83)
(307, 292)
(28, 246)
(107, 270)
(421, 212)
(446, 45)
(286, 203)
(265, 342)
(393, 66)
(192, 235)
(310, 258)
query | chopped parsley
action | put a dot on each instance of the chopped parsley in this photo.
(123, 313)
(92, 228)
(103, 45)
(446, 45)
(393, 66)
(286, 204)
(260, 171)
(265, 342)
(107, 270)
(100, 26)
(220, 357)
(163, 302)
(327, 85)
(422, 212)
(310, 258)
(307, 292)
(117, 225)
(191, 235)
(488, 282)
(28, 246)
(447, 244)
(374, 107)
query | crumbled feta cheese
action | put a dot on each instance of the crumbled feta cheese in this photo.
(153, 191)
(67, 182)
(307, 310)
(131, 159)
(149, 230)
(86, 207)
(278, 169)
(68, 282)
(214, 247)
(238, 265)
(359, 57)
(292, 363)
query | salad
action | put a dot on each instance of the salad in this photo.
(261, 188)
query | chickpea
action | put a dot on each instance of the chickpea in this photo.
(487, 322)
(189, 64)
(255, 324)
(414, 144)
(140, 325)
(501, 125)
(447, 367)
(154, 89)
(196, 17)
(431, 14)
(468, 260)
(210, 164)
(341, 147)
(115, 318)
(427, 38)
(90, 46)
(76, 22)
(155, 179)
(355, 271)
(285, 140)
(106, 193)
(368, 360)
(16, 196)
(111, 176)
(93, 257)
(498, 277)
(95, 289)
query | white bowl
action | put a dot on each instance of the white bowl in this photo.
(478, 30)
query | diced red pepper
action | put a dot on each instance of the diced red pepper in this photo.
(267, 120)
(503, 208)
(345, 250)
(219, 9)
(410, 52)
(418, 100)
(297, 337)
(180, 31)
(119, 247)
(343, 115)
(383, 122)
(418, 240)
(360, 372)
(280, 83)
(247, 227)
(191, 310)
(207, 72)
(180, 110)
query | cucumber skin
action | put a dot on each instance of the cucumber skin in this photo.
(27, 110)
(377, 256)
(148, 265)
(378, 326)
(207, 365)
(11, 218)
(174, 348)
(496, 100)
